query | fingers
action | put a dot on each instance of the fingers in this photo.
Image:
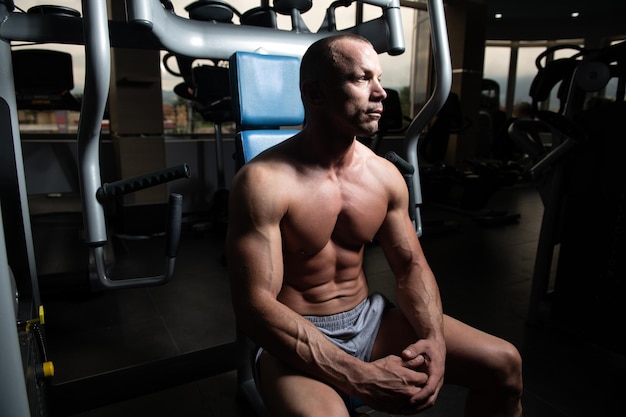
(424, 353)
(415, 363)
(425, 398)
(416, 357)
(416, 349)
(412, 389)
(412, 359)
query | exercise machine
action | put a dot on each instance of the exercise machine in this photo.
(582, 188)
(150, 24)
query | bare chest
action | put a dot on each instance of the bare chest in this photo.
(345, 214)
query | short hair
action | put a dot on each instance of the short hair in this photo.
(321, 56)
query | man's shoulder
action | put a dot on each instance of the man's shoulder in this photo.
(263, 169)
(378, 164)
(270, 172)
(385, 174)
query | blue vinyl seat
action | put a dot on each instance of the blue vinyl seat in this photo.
(265, 96)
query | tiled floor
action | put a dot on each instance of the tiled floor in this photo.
(484, 274)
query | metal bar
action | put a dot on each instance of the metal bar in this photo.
(152, 26)
(13, 397)
(13, 193)
(443, 83)
(97, 76)
(220, 41)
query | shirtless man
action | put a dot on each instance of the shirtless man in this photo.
(300, 216)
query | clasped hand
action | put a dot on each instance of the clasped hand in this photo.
(406, 384)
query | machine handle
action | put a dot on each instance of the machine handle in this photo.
(175, 213)
(404, 166)
(140, 182)
(101, 278)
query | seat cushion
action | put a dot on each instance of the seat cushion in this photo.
(266, 90)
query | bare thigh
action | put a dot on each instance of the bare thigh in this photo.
(287, 392)
(470, 352)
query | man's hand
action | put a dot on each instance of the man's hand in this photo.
(429, 357)
(389, 385)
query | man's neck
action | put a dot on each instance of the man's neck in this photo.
(326, 150)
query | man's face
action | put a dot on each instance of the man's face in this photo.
(354, 91)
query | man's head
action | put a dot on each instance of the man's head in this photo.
(323, 55)
(340, 83)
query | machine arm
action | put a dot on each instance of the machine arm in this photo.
(443, 83)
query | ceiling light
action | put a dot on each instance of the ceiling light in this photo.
(498, 16)
(574, 14)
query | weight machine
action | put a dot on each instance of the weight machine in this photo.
(150, 24)
(582, 190)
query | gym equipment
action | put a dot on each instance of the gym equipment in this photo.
(262, 103)
(13, 395)
(43, 90)
(151, 24)
(443, 69)
(207, 88)
(54, 212)
(491, 119)
(463, 191)
(579, 179)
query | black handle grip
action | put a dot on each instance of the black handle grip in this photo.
(130, 185)
(175, 213)
(404, 166)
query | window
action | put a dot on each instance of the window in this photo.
(526, 71)
(496, 67)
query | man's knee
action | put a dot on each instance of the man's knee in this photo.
(508, 367)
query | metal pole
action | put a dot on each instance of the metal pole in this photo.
(13, 397)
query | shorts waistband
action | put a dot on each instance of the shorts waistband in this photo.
(339, 321)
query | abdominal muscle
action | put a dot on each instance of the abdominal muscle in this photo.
(331, 281)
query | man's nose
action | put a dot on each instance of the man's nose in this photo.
(379, 92)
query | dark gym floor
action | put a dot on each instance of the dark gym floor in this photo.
(484, 274)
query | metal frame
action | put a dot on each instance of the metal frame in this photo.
(443, 84)
(13, 398)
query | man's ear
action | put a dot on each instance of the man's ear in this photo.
(312, 92)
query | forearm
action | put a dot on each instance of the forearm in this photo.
(417, 291)
(419, 299)
(298, 343)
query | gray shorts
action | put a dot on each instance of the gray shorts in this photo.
(354, 331)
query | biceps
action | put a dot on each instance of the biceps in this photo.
(399, 242)
(255, 262)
